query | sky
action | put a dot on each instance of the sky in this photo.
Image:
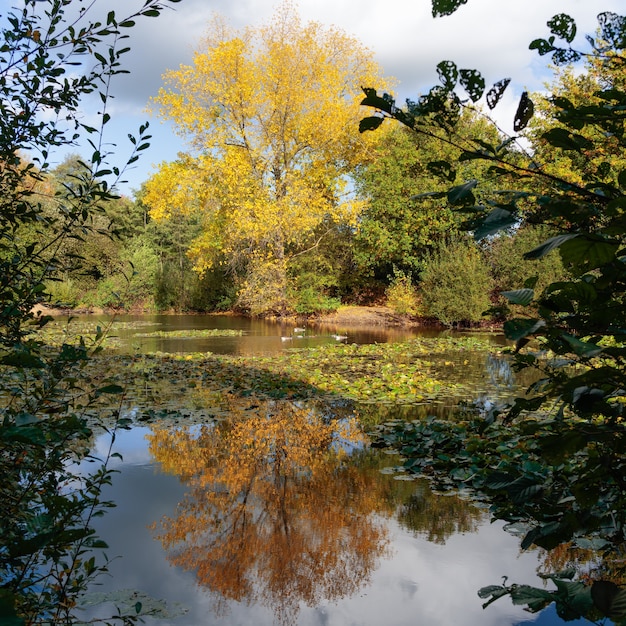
(491, 36)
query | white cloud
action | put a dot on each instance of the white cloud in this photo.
(491, 36)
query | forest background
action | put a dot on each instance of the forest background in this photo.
(344, 220)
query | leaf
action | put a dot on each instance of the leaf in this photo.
(519, 296)
(587, 252)
(563, 26)
(113, 389)
(462, 194)
(535, 599)
(370, 123)
(519, 328)
(613, 29)
(496, 92)
(542, 46)
(582, 348)
(473, 83)
(22, 359)
(448, 74)
(563, 138)
(441, 8)
(497, 220)
(603, 593)
(565, 56)
(547, 246)
(618, 606)
(524, 113)
(372, 99)
(443, 169)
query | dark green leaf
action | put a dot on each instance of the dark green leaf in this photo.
(370, 123)
(497, 220)
(519, 328)
(22, 359)
(448, 74)
(443, 169)
(613, 29)
(462, 194)
(618, 606)
(585, 253)
(603, 593)
(524, 113)
(542, 46)
(563, 26)
(473, 82)
(519, 296)
(563, 138)
(445, 7)
(372, 99)
(113, 389)
(496, 92)
(582, 348)
(550, 244)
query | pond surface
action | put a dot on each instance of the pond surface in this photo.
(309, 532)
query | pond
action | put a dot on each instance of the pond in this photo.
(214, 525)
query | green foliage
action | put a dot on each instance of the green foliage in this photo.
(456, 283)
(46, 556)
(511, 271)
(404, 185)
(562, 478)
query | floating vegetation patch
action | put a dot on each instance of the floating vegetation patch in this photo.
(193, 333)
(393, 374)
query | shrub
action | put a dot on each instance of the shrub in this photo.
(456, 283)
(401, 294)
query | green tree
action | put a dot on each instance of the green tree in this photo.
(456, 283)
(403, 222)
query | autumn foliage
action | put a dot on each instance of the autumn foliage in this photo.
(271, 114)
(276, 513)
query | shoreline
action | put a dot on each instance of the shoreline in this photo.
(352, 316)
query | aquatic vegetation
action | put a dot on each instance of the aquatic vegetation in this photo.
(407, 373)
(193, 333)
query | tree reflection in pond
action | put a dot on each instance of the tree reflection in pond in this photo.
(275, 512)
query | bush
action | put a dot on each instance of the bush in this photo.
(402, 296)
(63, 293)
(456, 283)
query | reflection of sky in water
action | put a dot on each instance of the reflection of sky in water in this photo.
(421, 583)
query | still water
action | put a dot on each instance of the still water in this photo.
(338, 543)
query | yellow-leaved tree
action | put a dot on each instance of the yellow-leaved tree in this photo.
(271, 114)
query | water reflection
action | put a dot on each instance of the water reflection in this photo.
(275, 513)
(415, 581)
(258, 336)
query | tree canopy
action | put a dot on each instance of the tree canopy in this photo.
(271, 115)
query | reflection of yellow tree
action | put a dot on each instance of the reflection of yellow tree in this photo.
(274, 514)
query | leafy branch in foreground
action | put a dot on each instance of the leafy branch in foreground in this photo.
(52, 60)
(561, 476)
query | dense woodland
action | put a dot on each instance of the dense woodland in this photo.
(405, 246)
